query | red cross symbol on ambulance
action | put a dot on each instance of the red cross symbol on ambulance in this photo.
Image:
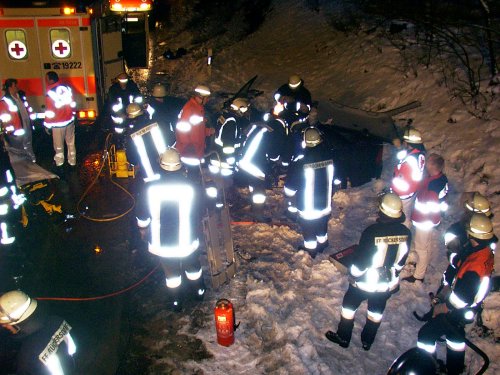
(61, 49)
(17, 50)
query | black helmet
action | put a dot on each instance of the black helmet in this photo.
(415, 361)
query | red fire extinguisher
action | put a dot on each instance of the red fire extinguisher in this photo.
(225, 322)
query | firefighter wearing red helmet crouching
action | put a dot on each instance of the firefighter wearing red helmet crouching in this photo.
(465, 285)
(374, 273)
(169, 217)
(47, 346)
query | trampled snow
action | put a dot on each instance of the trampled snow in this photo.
(285, 300)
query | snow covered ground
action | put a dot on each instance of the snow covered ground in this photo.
(285, 300)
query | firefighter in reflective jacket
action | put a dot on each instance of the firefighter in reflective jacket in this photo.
(455, 237)
(409, 172)
(374, 273)
(426, 215)
(170, 212)
(60, 118)
(466, 283)
(159, 112)
(229, 137)
(11, 201)
(262, 150)
(47, 346)
(122, 93)
(15, 114)
(191, 129)
(293, 100)
(310, 179)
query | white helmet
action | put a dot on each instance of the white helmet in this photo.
(480, 227)
(159, 91)
(240, 105)
(478, 204)
(312, 137)
(202, 90)
(15, 307)
(294, 81)
(170, 160)
(391, 205)
(122, 77)
(134, 110)
(412, 135)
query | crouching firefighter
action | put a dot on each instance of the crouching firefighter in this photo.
(465, 284)
(169, 216)
(46, 343)
(374, 273)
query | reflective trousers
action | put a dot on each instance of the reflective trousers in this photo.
(65, 134)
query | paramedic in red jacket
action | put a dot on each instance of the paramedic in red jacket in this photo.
(426, 215)
(60, 118)
(191, 129)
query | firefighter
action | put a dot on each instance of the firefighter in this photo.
(47, 346)
(122, 93)
(310, 180)
(229, 137)
(11, 200)
(60, 118)
(374, 273)
(169, 216)
(159, 112)
(15, 114)
(408, 174)
(426, 215)
(293, 100)
(455, 237)
(465, 286)
(191, 129)
(265, 143)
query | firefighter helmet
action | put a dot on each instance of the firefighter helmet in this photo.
(391, 205)
(478, 204)
(170, 160)
(312, 137)
(412, 135)
(15, 307)
(159, 91)
(122, 78)
(240, 105)
(134, 110)
(414, 361)
(480, 227)
(202, 90)
(294, 81)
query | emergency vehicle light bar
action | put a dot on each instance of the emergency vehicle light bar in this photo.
(130, 5)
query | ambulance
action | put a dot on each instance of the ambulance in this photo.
(88, 45)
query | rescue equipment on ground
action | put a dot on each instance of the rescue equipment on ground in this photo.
(225, 322)
(119, 165)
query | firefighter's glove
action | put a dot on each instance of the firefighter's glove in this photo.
(440, 308)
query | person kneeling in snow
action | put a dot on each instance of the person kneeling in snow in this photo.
(374, 273)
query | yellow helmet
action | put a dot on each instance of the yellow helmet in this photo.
(159, 91)
(170, 160)
(312, 137)
(412, 135)
(240, 105)
(391, 205)
(134, 110)
(294, 81)
(202, 90)
(15, 307)
(480, 227)
(122, 78)
(478, 204)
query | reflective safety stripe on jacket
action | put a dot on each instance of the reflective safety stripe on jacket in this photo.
(248, 161)
(183, 196)
(60, 106)
(429, 202)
